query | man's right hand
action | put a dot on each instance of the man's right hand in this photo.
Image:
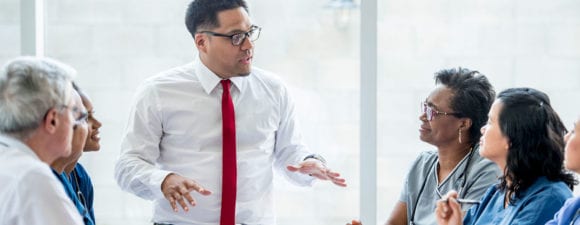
(176, 189)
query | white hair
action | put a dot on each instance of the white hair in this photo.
(29, 87)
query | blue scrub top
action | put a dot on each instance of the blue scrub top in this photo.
(62, 177)
(569, 214)
(80, 181)
(536, 205)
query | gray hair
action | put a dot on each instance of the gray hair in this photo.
(29, 87)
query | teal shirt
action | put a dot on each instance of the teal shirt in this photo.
(62, 177)
(536, 205)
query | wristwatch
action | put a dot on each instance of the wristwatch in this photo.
(317, 157)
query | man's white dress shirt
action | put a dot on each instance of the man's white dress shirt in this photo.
(175, 126)
(30, 194)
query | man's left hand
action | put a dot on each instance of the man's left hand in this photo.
(317, 169)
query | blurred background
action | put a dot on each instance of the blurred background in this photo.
(314, 45)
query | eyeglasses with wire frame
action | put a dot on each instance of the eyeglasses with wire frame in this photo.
(238, 38)
(430, 112)
(80, 116)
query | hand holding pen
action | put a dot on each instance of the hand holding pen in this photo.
(461, 201)
(448, 211)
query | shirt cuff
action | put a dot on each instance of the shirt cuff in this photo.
(157, 179)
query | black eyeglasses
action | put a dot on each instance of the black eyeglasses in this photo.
(430, 112)
(238, 38)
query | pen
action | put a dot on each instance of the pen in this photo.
(465, 201)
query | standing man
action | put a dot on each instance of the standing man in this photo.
(203, 138)
(37, 114)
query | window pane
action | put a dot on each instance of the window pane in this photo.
(9, 30)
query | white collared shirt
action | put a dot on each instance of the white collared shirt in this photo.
(175, 126)
(29, 191)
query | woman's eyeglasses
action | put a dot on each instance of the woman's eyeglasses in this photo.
(430, 112)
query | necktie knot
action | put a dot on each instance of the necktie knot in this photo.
(226, 84)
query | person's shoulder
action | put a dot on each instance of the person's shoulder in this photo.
(573, 202)
(20, 163)
(36, 175)
(424, 160)
(555, 190)
(79, 168)
(427, 156)
(183, 72)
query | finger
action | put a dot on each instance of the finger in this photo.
(332, 174)
(340, 183)
(439, 209)
(293, 168)
(442, 206)
(194, 186)
(190, 199)
(172, 203)
(341, 180)
(451, 194)
(181, 202)
(455, 206)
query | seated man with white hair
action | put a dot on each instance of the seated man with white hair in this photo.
(37, 114)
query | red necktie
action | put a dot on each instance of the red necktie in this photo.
(229, 166)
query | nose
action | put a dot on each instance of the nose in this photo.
(423, 117)
(567, 136)
(482, 130)
(97, 124)
(247, 44)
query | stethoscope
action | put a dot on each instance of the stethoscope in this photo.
(463, 174)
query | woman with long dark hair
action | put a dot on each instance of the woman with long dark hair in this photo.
(524, 137)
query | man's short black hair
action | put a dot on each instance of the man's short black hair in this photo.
(203, 13)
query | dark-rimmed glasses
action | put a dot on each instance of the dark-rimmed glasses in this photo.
(430, 112)
(238, 38)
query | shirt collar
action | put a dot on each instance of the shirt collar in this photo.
(12, 143)
(209, 80)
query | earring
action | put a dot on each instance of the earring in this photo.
(460, 137)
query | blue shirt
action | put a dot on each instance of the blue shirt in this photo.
(62, 177)
(80, 181)
(536, 205)
(569, 213)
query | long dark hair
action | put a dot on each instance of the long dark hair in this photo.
(472, 97)
(535, 133)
